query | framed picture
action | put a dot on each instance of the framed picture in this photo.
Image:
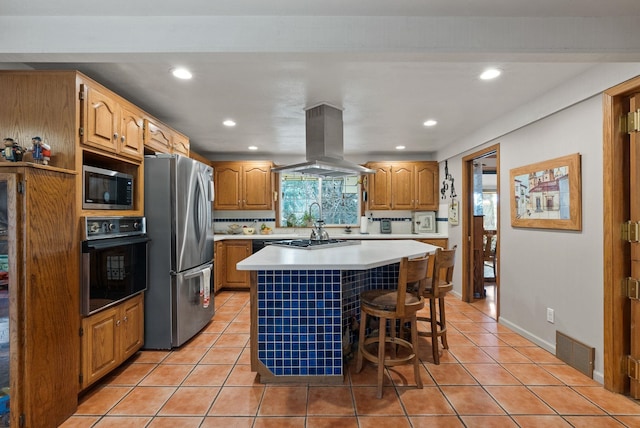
(453, 212)
(547, 195)
(425, 222)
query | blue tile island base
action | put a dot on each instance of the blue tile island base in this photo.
(304, 306)
(303, 321)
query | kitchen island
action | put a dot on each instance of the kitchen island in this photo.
(305, 302)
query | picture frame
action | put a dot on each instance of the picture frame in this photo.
(453, 212)
(548, 194)
(425, 222)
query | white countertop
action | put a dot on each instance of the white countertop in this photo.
(366, 255)
(353, 235)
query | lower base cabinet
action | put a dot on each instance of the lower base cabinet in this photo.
(110, 337)
(227, 255)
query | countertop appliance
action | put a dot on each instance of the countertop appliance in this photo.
(178, 196)
(385, 226)
(311, 244)
(114, 261)
(104, 189)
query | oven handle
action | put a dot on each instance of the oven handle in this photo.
(110, 243)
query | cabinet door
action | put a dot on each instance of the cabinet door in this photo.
(131, 139)
(157, 138)
(379, 187)
(100, 345)
(102, 120)
(218, 266)
(439, 242)
(236, 251)
(402, 186)
(426, 182)
(227, 182)
(256, 187)
(132, 326)
(180, 144)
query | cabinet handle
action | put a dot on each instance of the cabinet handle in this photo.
(115, 136)
(118, 323)
(122, 138)
(126, 319)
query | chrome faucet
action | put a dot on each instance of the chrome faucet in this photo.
(318, 233)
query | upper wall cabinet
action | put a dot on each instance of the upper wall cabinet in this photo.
(160, 138)
(243, 185)
(403, 186)
(111, 124)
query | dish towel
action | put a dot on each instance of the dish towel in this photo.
(205, 289)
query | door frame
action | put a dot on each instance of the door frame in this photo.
(616, 252)
(467, 220)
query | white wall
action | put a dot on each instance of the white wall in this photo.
(556, 269)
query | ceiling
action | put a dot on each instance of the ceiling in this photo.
(389, 65)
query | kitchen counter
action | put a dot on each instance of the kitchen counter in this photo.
(368, 254)
(353, 235)
(305, 302)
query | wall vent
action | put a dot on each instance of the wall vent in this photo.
(576, 354)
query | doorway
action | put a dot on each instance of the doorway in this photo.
(481, 226)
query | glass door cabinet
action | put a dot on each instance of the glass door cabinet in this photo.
(39, 302)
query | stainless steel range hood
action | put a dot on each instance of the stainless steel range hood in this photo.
(324, 146)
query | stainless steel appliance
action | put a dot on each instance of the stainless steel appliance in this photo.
(311, 244)
(114, 261)
(104, 189)
(178, 196)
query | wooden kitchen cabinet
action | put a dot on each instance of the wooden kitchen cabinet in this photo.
(243, 185)
(403, 186)
(439, 242)
(218, 266)
(180, 144)
(110, 123)
(39, 299)
(159, 138)
(111, 336)
(233, 251)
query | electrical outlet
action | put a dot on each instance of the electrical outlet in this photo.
(550, 315)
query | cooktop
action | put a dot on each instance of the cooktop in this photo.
(310, 244)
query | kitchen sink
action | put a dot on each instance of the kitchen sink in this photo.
(312, 244)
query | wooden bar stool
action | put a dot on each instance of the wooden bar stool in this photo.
(441, 277)
(392, 305)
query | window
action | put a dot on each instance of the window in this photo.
(337, 196)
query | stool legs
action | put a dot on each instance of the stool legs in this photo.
(382, 342)
(393, 342)
(434, 330)
(361, 337)
(414, 341)
(443, 323)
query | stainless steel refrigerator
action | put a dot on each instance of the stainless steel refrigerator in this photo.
(178, 196)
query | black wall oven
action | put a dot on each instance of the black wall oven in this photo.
(114, 261)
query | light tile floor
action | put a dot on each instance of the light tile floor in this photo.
(490, 377)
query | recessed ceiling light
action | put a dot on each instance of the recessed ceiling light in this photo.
(253, 147)
(181, 73)
(490, 73)
(400, 147)
(229, 123)
(430, 122)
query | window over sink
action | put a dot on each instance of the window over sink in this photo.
(339, 198)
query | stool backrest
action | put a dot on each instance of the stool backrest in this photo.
(411, 271)
(442, 273)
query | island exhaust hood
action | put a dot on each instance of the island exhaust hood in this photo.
(324, 146)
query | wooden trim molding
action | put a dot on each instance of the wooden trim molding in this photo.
(616, 254)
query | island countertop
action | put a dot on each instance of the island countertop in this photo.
(367, 254)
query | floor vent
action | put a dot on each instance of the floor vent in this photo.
(576, 354)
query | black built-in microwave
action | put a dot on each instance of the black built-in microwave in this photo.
(105, 189)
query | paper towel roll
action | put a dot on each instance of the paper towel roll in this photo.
(364, 223)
